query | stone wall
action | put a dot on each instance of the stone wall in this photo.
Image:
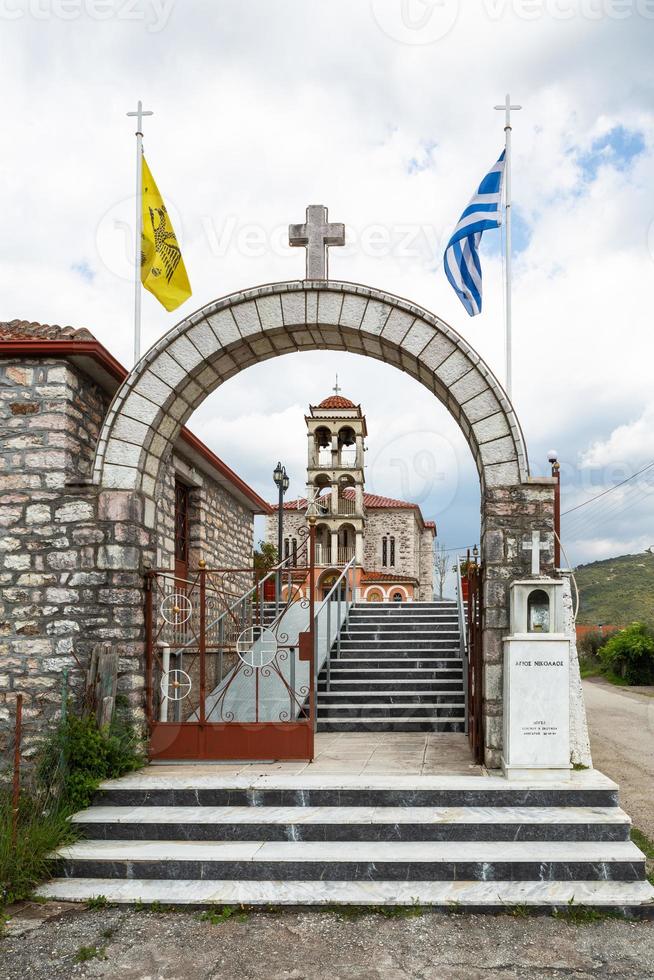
(511, 514)
(72, 555)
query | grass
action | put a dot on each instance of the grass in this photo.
(86, 953)
(646, 845)
(584, 915)
(354, 912)
(587, 669)
(43, 826)
(218, 914)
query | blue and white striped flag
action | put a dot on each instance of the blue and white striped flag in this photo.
(462, 266)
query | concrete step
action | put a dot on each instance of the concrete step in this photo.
(353, 823)
(632, 898)
(371, 860)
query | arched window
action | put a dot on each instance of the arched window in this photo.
(287, 548)
(392, 551)
(398, 597)
(384, 551)
(294, 552)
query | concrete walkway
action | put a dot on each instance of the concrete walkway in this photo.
(621, 724)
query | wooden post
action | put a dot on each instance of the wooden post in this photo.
(18, 732)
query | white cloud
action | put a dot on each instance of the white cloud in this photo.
(262, 108)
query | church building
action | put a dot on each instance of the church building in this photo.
(390, 539)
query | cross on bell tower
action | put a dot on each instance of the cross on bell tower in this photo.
(316, 234)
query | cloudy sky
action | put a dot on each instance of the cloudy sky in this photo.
(383, 111)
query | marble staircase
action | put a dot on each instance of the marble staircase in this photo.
(465, 842)
(399, 669)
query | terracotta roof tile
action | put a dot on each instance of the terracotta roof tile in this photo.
(336, 401)
(24, 330)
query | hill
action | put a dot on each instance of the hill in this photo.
(617, 590)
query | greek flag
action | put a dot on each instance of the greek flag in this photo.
(462, 266)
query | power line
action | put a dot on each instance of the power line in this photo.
(610, 490)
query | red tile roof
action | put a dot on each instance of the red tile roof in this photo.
(24, 330)
(372, 501)
(386, 577)
(336, 401)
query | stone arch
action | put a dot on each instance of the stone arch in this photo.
(233, 333)
(227, 336)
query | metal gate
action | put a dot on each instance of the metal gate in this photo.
(475, 670)
(229, 670)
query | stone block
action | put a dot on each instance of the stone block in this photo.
(118, 556)
(418, 337)
(352, 311)
(329, 307)
(456, 366)
(37, 514)
(293, 308)
(397, 326)
(437, 351)
(224, 326)
(375, 317)
(74, 510)
(62, 560)
(270, 312)
(491, 428)
(247, 318)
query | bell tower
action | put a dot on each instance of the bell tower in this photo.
(336, 430)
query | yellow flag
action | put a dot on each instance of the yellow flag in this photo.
(162, 266)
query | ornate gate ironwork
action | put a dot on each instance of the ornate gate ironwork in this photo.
(475, 671)
(229, 673)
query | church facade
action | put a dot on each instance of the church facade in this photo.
(390, 539)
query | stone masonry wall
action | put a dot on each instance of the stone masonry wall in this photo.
(510, 516)
(401, 524)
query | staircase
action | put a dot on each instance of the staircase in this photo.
(399, 670)
(464, 842)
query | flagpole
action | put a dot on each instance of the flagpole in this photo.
(508, 340)
(140, 112)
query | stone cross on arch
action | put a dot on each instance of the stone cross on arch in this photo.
(316, 234)
(535, 546)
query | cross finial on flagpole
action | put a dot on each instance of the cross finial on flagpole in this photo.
(140, 112)
(336, 389)
(508, 108)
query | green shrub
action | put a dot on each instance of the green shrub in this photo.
(630, 654)
(590, 645)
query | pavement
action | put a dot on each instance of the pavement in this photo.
(132, 944)
(621, 726)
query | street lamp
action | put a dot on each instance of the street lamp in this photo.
(281, 481)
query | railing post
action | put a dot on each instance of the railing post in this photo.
(338, 617)
(203, 641)
(328, 641)
(149, 588)
(312, 623)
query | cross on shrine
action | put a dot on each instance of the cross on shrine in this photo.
(316, 234)
(535, 546)
(140, 112)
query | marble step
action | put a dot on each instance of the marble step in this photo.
(410, 711)
(436, 689)
(397, 629)
(369, 861)
(363, 697)
(395, 725)
(634, 898)
(353, 823)
(399, 641)
(405, 666)
(428, 657)
(193, 788)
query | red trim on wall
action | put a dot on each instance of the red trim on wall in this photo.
(94, 349)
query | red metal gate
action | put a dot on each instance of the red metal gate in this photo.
(230, 673)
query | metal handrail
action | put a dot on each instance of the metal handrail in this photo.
(327, 603)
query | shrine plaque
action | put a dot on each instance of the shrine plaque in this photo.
(536, 702)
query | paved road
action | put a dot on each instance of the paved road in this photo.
(621, 724)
